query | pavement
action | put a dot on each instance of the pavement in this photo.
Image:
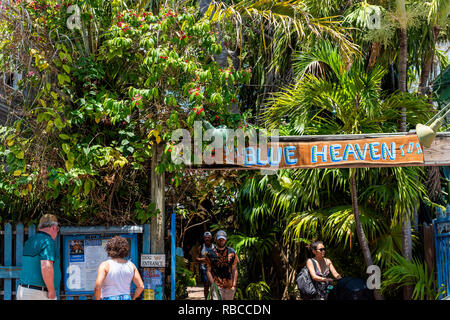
(195, 293)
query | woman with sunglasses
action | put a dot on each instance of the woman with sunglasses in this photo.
(320, 268)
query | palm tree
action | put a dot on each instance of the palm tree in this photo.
(346, 100)
(277, 28)
(438, 11)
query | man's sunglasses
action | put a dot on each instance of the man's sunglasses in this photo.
(322, 249)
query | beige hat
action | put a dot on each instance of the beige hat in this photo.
(47, 220)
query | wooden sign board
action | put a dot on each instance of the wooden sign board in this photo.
(398, 150)
(392, 151)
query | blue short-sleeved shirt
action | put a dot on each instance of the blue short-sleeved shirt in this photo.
(39, 247)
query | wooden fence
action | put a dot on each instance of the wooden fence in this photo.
(11, 250)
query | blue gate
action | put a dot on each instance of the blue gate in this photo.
(442, 244)
(11, 249)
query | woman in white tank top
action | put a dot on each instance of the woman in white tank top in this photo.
(114, 276)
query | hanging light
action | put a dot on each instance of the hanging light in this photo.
(425, 133)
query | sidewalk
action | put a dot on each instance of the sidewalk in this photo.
(195, 293)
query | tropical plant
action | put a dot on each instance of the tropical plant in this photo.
(411, 272)
(338, 99)
(84, 142)
(276, 28)
(184, 278)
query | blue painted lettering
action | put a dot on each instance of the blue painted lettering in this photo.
(410, 147)
(373, 151)
(385, 151)
(315, 154)
(278, 159)
(288, 153)
(348, 151)
(250, 156)
(401, 149)
(361, 155)
(419, 149)
(334, 154)
(258, 158)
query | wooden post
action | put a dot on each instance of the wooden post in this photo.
(428, 241)
(19, 248)
(8, 260)
(157, 227)
(407, 252)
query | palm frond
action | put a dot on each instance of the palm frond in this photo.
(290, 16)
(438, 11)
(404, 272)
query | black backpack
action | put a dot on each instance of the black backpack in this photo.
(305, 284)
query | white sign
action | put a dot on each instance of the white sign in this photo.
(153, 260)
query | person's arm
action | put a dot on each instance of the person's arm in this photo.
(48, 275)
(234, 272)
(312, 272)
(198, 258)
(234, 276)
(208, 271)
(138, 282)
(102, 271)
(333, 271)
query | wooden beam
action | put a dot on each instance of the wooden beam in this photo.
(101, 229)
(10, 272)
(157, 225)
(437, 155)
(439, 152)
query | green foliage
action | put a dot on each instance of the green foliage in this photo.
(98, 117)
(254, 291)
(184, 278)
(144, 213)
(331, 97)
(404, 272)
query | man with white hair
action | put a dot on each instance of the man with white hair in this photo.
(41, 274)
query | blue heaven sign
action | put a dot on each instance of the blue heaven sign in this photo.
(368, 152)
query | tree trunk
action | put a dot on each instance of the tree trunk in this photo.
(402, 86)
(157, 226)
(425, 74)
(281, 267)
(427, 64)
(407, 252)
(402, 56)
(374, 54)
(359, 230)
(402, 72)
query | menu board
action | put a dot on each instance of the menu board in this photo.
(82, 256)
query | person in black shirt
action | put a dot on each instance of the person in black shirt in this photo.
(221, 267)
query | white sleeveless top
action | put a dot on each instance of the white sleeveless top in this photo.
(118, 279)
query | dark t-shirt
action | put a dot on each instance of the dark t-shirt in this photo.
(221, 262)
